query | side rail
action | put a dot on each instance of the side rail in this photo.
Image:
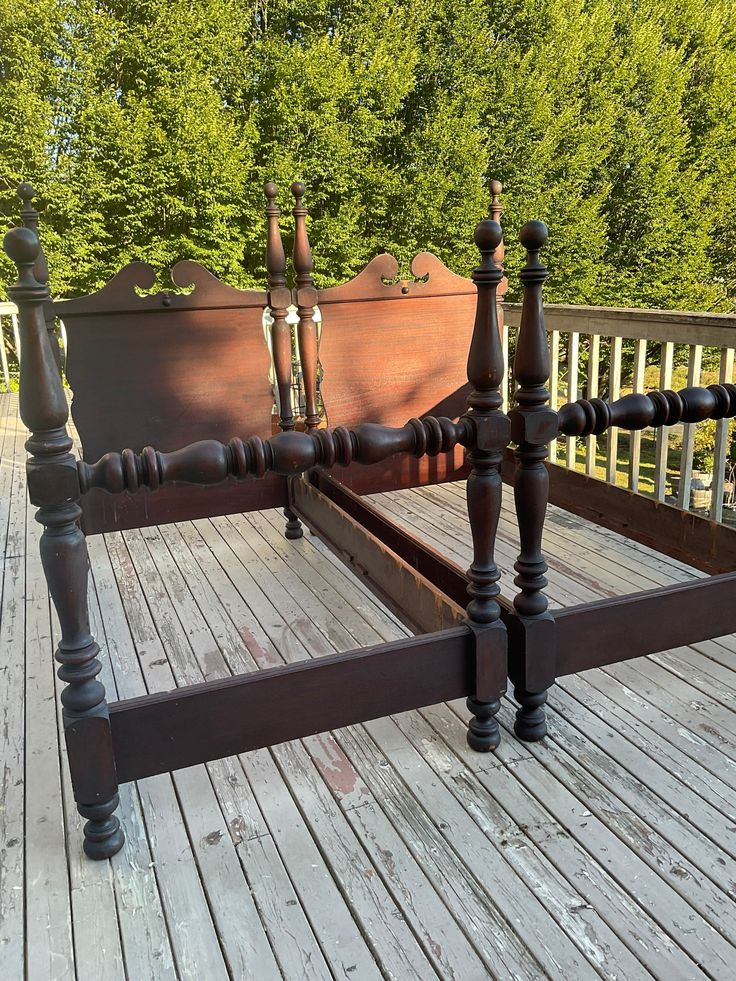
(602, 351)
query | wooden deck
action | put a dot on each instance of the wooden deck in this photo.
(387, 850)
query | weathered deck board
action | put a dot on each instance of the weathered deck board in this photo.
(388, 850)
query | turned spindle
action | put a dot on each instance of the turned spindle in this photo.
(279, 299)
(29, 219)
(533, 425)
(490, 429)
(640, 411)
(53, 486)
(288, 454)
(306, 300)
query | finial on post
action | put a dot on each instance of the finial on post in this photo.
(22, 247)
(306, 300)
(29, 218)
(533, 425)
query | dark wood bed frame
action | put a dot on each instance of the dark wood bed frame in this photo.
(171, 369)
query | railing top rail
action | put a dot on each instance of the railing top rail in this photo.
(678, 326)
(6, 308)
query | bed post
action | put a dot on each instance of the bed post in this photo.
(491, 433)
(279, 299)
(29, 218)
(53, 485)
(306, 299)
(533, 425)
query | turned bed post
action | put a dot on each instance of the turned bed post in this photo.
(306, 300)
(29, 218)
(491, 433)
(533, 425)
(279, 299)
(53, 486)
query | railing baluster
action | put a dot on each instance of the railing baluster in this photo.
(573, 356)
(554, 383)
(594, 362)
(720, 454)
(16, 336)
(694, 364)
(614, 391)
(637, 386)
(663, 434)
(4, 356)
(505, 382)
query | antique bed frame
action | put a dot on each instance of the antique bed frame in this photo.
(463, 650)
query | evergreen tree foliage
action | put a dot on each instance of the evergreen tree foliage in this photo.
(149, 128)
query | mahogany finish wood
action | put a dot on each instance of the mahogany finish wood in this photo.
(533, 425)
(486, 369)
(442, 573)
(29, 219)
(53, 486)
(306, 300)
(279, 299)
(639, 411)
(390, 350)
(211, 462)
(157, 733)
(220, 718)
(210, 377)
(624, 627)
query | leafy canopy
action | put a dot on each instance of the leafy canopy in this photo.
(149, 128)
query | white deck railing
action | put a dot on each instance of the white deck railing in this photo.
(662, 334)
(10, 342)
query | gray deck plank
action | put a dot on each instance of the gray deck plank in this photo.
(12, 685)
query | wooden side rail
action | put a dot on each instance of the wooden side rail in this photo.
(623, 627)
(163, 732)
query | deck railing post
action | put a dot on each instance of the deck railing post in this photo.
(533, 426)
(491, 432)
(53, 486)
(279, 299)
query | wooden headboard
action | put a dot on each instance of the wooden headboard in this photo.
(165, 370)
(392, 351)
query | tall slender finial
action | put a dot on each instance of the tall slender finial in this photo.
(302, 249)
(306, 300)
(275, 255)
(495, 211)
(29, 219)
(279, 299)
